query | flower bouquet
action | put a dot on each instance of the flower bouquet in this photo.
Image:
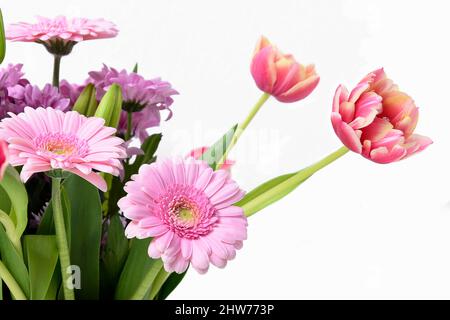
(87, 211)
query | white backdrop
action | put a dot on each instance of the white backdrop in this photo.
(356, 229)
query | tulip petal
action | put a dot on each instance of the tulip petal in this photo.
(349, 137)
(300, 91)
(263, 69)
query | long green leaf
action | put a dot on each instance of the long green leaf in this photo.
(55, 284)
(277, 188)
(17, 194)
(14, 262)
(169, 285)
(258, 198)
(2, 39)
(215, 152)
(114, 257)
(86, 232)
(136, 268)
(42, 257)
(263, 188)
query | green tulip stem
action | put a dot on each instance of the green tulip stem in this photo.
(241, 128)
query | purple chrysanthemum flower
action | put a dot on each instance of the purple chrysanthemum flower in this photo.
(48, 97)
(11, 81)
(70, 91)
(145, 98)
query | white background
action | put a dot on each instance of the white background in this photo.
(354, 230)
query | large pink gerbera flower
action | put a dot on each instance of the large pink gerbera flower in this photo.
(41, 140)
(188, 210)
(60, 34)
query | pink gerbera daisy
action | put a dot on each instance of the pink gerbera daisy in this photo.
(42, 140)
(60, 34)
(188, 210)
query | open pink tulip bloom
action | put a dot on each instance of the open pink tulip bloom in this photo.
(41, 140)
(3, 158)
(377, 120)
(280, 75)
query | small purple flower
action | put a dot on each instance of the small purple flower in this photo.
(48, 97)
(70, 91)
(145, 98)
(11, 81)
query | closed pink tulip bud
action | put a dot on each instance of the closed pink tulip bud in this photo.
(280, 75)
(3, 158)
(377, 120)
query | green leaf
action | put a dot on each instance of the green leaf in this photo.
(55, 284)
(14, 262)
(263, 188)
(215, 153)
(18, 197)
(171, 283)
(86, 232)
(42, 257)
(135, 69)
(114, 256)
(2, 39)
(277, 188)
(138, 265)
(87, 102)
(110, 106)
(5, 203)
(272, 191)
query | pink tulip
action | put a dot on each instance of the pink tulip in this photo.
(3, 158)
(377, 120)
(198, 152)
(280, 75)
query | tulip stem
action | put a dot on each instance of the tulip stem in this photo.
(56, 68)
(241, 127)
(61, 238)
(284, 188)
(11, 283)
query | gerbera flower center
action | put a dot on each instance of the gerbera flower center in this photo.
(61, 145)
(187, 212)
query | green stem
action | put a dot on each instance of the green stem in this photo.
(241, 128)
(10, 230)
(129, 125)
(56, 68)
(11, 283)
(61, 237)
(288, 185)
(148, 280)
